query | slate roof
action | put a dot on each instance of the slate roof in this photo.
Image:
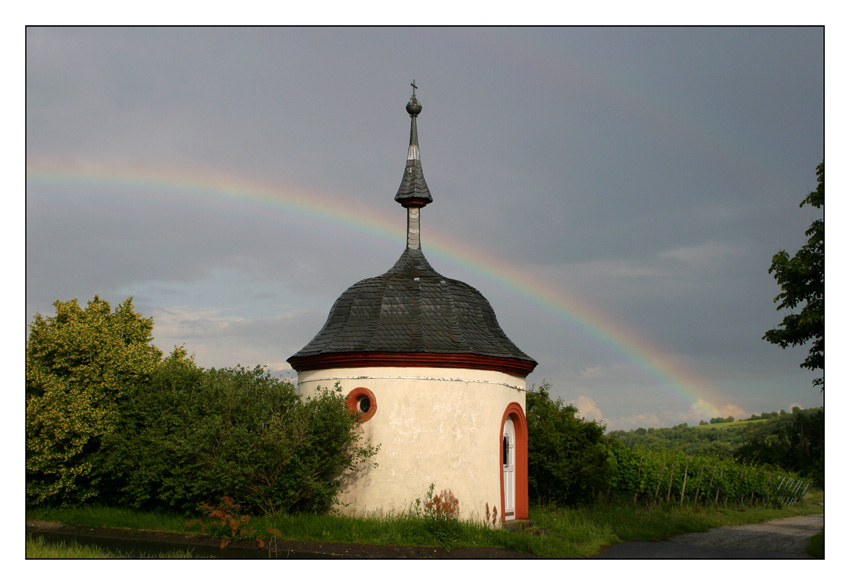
(411, 314)
(412, 308)
(413, 186)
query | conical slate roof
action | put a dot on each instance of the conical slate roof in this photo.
(413, 191)
(412, 316)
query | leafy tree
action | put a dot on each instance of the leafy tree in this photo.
(79, 364)
(801, 279)
(794, 442)
(567, 455)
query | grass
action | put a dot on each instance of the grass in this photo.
(38, 548)
(569, 532)
(816, 546)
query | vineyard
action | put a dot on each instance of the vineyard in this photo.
(669, 477)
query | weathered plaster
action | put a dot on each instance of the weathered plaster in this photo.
(433, 425)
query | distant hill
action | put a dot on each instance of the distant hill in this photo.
(723, 437)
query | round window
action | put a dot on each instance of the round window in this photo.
(362, 402)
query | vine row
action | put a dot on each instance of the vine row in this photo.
(671, 477)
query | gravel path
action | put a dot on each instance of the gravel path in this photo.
(785, 538)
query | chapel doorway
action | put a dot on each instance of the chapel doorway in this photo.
(509, 468)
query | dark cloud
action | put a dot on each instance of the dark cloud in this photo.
(651, 172)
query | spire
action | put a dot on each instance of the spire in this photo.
(413, 191)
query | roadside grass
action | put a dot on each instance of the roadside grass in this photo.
(110, 517)
(38, 548)
(816, 546)
(561, 532)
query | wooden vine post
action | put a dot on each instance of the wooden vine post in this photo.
(719, 480)
(670, 486)
(684, 482)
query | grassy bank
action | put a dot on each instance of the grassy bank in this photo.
(38, 548)
(566, 532)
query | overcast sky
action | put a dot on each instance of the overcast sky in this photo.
(616, 193)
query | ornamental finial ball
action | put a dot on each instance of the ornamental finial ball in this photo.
(413, 107)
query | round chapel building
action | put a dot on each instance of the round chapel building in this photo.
(438, 384)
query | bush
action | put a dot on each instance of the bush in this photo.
(196, 436)
(567, 455)
(109, 421)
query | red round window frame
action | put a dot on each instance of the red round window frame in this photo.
(354, 397)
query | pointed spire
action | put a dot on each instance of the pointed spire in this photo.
(413, 191)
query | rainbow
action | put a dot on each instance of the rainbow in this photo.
(321, 207)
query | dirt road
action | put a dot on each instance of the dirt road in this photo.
(785, 538)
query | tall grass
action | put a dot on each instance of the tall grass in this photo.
(816, 546)
(38, 548)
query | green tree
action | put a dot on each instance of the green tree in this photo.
(801, 279)
(794, 442)
(79, 364)
(567, 455)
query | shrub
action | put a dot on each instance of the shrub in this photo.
(444, 507)
(108, 420)
(226, 522)
(567, 455)
(199, 435)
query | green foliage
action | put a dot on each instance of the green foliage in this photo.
(79, 364)
(441, 513)
(195, 436)
(794, 442)
(720, 419)
(801, 279)
(816, 545)
(567, 455)
(714, 439)
(791, 441)
(109, 421)
(38, 548)
(577, 531)
(665, 476)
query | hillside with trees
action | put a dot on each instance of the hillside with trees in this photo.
(792, 441)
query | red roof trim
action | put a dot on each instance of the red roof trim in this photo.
(513, 366)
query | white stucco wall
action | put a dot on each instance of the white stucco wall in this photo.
(434, 425)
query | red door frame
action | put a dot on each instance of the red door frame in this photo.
(514, 410)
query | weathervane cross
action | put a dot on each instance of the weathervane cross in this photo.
(414, 87)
